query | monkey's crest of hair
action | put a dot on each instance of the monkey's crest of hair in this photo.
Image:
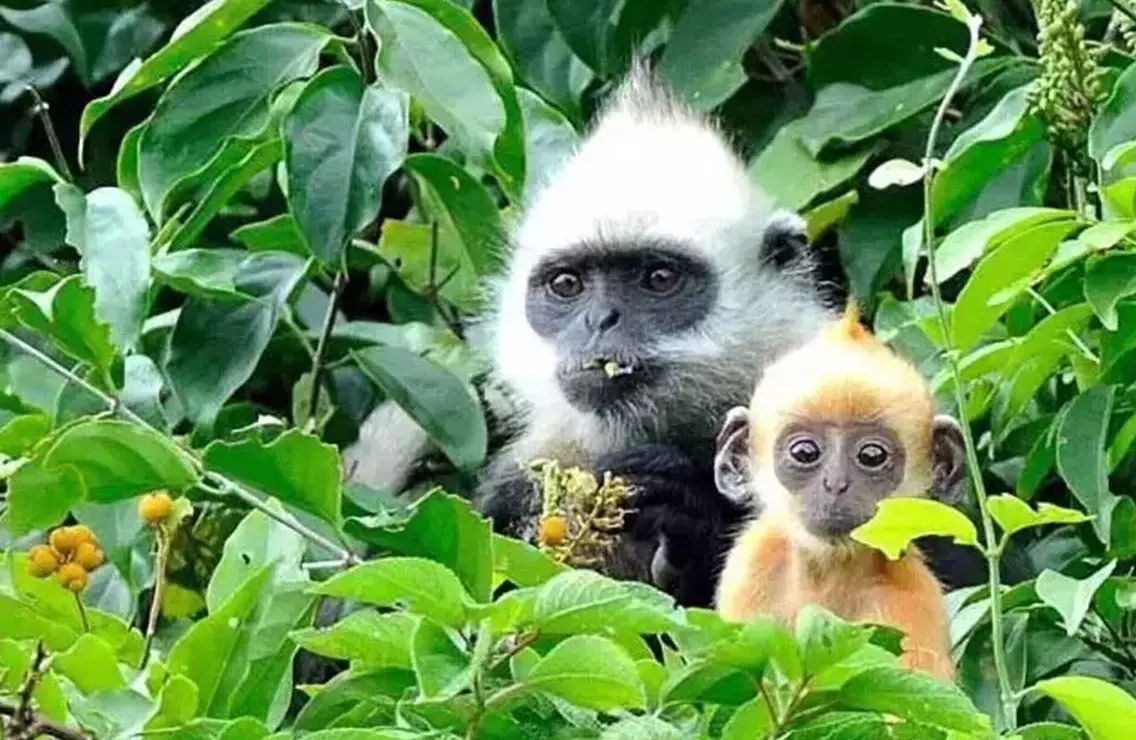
(845, 374)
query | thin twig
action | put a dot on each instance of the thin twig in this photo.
(520, 644)
(324, 337)
(1069, 332)
(40, 109)
(164, 541)
(82, 612)
(991, 549)
(224, 485)
(41, 725)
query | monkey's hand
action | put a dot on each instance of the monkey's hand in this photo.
(681, 526)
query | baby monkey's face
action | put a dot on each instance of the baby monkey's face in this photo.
(838, 472)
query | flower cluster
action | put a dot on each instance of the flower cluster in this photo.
(71, 553)
(1071, 84)
(580, 516)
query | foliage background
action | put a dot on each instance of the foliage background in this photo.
(290, 195)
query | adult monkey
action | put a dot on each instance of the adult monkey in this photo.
(649, 282)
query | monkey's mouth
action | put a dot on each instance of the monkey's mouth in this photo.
(612, 367)
(602, 383)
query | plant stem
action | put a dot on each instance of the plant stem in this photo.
(82, 611)
(224, 485)
(325, 335)
(1076, 340)
(164, 540)
(41, 109)
(991, 549)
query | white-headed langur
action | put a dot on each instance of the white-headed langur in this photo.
(834, 428)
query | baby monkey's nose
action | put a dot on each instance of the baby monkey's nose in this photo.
(837, 484)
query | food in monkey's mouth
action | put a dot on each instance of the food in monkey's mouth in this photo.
(612, 367)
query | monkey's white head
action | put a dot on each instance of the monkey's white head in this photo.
(648, 279)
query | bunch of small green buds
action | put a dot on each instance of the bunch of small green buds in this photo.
(1071, 84)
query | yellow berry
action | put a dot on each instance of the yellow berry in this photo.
(88, 555)
(82, 533)
(553, 530)
(155, 507)
(72, 577)
(65, 540)
(42, 561)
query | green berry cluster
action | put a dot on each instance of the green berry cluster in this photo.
(1071, 84)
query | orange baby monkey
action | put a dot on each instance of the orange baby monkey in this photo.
(833, 428)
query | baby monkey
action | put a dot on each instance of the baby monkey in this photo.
(834, 428)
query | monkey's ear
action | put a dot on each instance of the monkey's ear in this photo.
(785, 239)
(731, 476)
(948, 460)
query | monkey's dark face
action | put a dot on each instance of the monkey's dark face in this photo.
(838, 472)
(606, 310)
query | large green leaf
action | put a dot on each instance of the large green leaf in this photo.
(1107, 281)
(342, 141)
(584, 601)
(966, 245)
(1081, 455)
(434, 397)
(296, 468)
(527, 31)
(898, 521)
(1071, 597)
(193, 38)
(422, 56)
(65, 313)
(1115, 122)
(19, 176)
(228, 95)
(549, 139)
(701, 60)
(118, 460)
(91, 664)
(113, 240)
(793, 176)
(441, 666)
(423, 586)
(202, 272)
(914, 696)
(443, 528)
(39, 498)
(1013, 515)
(259, 540)
(589, 671)
(590, 30)
(374, 640)
(1105, 710)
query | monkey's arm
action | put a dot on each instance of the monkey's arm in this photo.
(910, 599)
(681, 528)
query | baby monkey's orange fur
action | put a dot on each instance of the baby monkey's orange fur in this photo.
(776, 566)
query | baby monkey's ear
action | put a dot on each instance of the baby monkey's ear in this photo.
(948, 460)
(731, 462)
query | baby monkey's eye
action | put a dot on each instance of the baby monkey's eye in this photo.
(566, 284)
(804, 451)
(872, 456)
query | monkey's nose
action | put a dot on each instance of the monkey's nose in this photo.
(840, 485)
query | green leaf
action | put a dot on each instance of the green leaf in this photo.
(1106, 711)
(793, 177)
(348, 692)
(543, 59)
(1115, 122)
(342, 141)
(521, 563)
(1071, 597)
(752, 719)
(91, 664)
(591, 672)
(914, 696)
(20, 433)
(1107, 281)
(965, 245)
(296, 468)
(52, 20)
(705, 681)
(1006, 135)
(825, 640)
(228, 95)
(589, 29)
(66, 313)
(642, 728)
(39, 498)
(420, 55)
(441, 403)
(258, 541)
(1013, 515)
(708, 37)
(549, 139)
(118, 460)
(373, 640)
(113, 240)
(898, 521)
(1081, 455)
(1000, 277)
(277, 233)
(423, 586)
(440, 665)
(194, 37)
(578, 601)
(443, 528)
(20, 176)
(204, 272)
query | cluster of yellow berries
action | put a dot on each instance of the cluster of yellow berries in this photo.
(71, 553)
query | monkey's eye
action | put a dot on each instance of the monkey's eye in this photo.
(661, 280)
(804, 451)
(566, 284)
(872, 456)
